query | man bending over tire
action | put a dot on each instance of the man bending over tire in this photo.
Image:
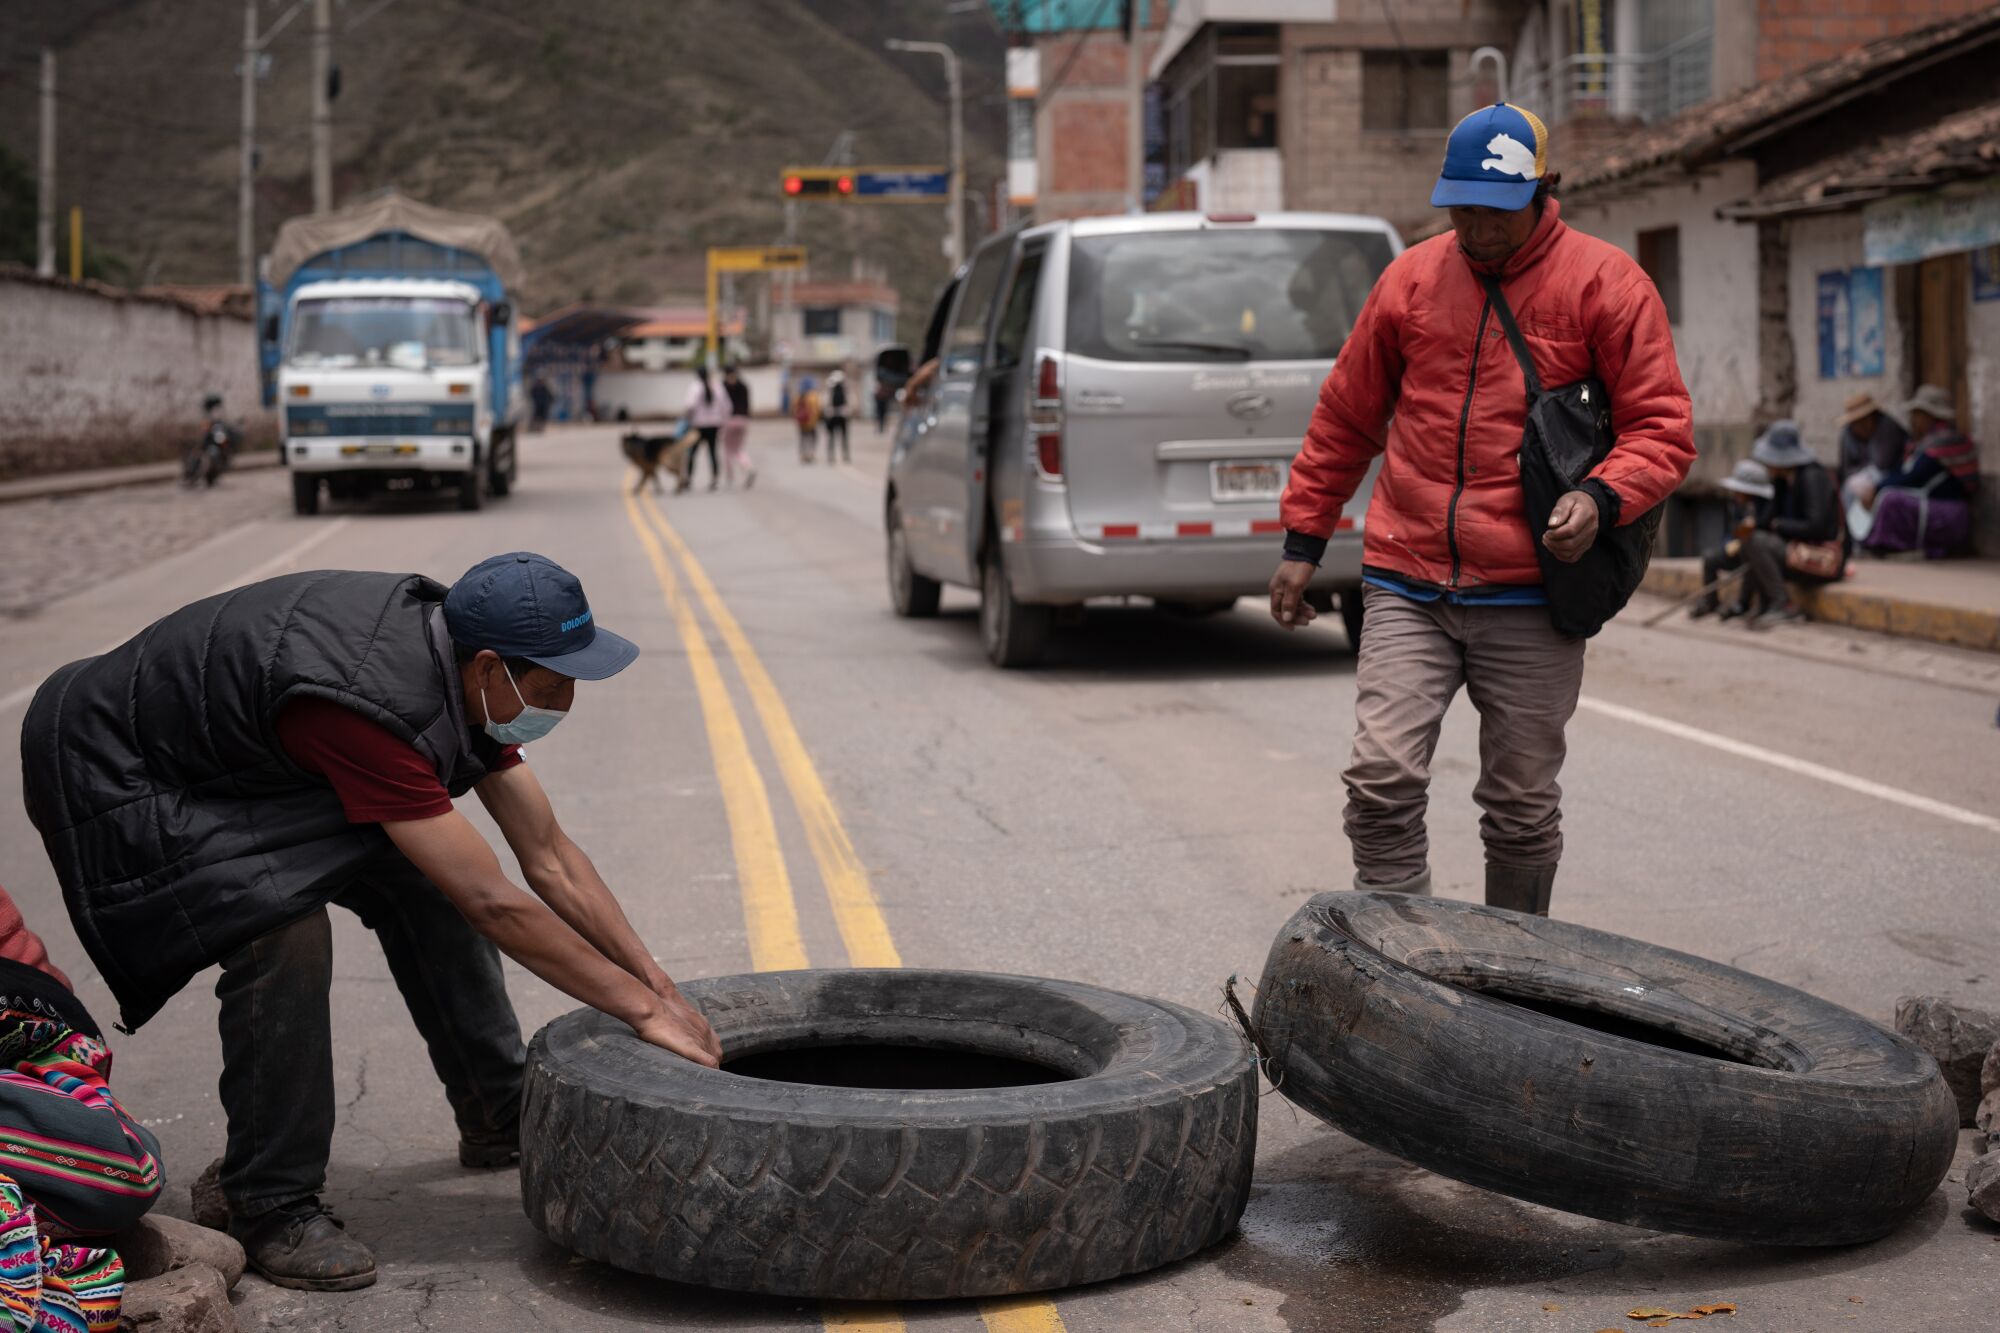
(207, 788)
(1454, 591)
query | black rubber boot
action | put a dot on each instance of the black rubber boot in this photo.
(302, 1246)
(1520, 888)
(1418, 884)
(485, 1149)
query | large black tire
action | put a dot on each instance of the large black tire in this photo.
(1014, 633)
(472, 487)
(305, 493)
(501, 472)
(1139, 1157)
(910, 593)
(1615, 1079)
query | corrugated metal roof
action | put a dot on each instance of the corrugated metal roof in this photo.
(1958, 147)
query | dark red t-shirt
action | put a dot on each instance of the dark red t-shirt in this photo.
(22, 945)
(378, 778)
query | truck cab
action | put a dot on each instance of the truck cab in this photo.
(390, 349)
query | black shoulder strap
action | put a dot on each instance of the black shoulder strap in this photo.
(1514, 339)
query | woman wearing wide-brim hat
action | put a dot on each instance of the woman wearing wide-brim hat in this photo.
(1926, 504)
(1750, 483)
(1796, 535)
(1872, 442)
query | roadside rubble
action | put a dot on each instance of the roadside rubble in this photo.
(178, 1277)
(1966, 1044)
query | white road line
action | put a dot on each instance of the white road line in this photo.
(1803, 767)
(272, 566)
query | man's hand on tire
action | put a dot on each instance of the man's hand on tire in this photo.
(1288, 591)
(1572, 526)
(683, 1031)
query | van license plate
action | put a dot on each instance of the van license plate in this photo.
(1263, 479)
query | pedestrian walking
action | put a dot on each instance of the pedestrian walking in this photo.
(837, 447)
(885, 398)
(1454, 594)
(207, 788)
(540, 399)
(707, 411)
(805, 412)
(736, 431)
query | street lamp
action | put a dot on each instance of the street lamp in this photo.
(956, 196)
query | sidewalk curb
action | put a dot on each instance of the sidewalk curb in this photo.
(1857, 608)
(107, 478)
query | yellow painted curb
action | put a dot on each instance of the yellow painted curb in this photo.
(1857, 608)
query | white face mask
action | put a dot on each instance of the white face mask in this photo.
(532, 724)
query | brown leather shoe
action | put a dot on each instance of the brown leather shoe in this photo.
(304, 1246)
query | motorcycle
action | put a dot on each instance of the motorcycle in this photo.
(209, 458)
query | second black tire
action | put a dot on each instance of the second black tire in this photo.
(1599, 1074)
(1130, 1148)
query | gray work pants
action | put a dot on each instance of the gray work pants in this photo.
(1521, 675)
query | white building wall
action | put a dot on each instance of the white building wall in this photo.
(1822, 244)
(89, 380)
(1716, 340)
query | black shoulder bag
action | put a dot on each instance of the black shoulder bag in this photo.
(1568, 432)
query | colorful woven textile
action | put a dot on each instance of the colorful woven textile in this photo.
(47, 1286)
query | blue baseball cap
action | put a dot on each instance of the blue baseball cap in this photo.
(526, 605)
(1495, 158)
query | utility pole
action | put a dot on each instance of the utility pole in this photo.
(1135, 109)
(322, 124)
(45, 186)
(246, 185)
(956, 198)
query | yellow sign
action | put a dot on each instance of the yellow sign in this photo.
(744, 259)
(756, 258)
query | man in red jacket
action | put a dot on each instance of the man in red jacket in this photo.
(1454, 595)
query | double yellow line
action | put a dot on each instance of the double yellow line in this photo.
(770, 911)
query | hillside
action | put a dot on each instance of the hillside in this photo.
(617, 138)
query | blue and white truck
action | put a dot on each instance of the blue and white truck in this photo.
(388, 341)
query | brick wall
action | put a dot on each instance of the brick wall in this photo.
(1792, 34)
(1080, 131)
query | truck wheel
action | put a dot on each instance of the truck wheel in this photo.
(305, 493)
(501, 478)
(1014, 633)
(1350, 616)
(472, 488)
(890, 1135)
(1598, 1074)
(910, 593)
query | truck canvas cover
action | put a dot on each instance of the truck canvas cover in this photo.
(300, 239)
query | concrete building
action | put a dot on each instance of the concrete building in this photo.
(835, 324)
(1835, 231)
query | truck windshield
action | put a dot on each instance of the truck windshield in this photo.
(411, 331)
(1254, 294)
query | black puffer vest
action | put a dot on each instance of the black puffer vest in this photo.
(179, 828)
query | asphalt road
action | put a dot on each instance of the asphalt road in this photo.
(1143, 813)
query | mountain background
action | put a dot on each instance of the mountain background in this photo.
(618, 139)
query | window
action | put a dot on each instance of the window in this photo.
(1010, 339)
(822, 321)
(1021, 129)
(1405, 90)
(1220, 296)
(965, 343)
(1246, 106)
(882, 325)
(1660, 256)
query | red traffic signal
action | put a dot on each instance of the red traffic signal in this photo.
(795, 185)
(845, 185)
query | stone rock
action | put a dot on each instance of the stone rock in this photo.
(187, 1300)
(1982, 1185)
(1989, 1073)
(157, 1245)
(1957, 1037)
(1987, 1120)
(211, 1210)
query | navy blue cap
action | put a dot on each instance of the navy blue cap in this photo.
(526, 605)
(1494, 159)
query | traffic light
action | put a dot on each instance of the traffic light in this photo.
(835, 183)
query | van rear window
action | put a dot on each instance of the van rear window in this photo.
(1238, 295)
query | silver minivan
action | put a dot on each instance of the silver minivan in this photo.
(1114, 410)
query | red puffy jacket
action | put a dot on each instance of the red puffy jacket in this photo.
(1447, 508)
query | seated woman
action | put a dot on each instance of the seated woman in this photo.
(72, 1162)
(1750, 483)
(1797, 535)
(1926, 505)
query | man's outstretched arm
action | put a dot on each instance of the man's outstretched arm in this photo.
(563, 876)
(452, 855)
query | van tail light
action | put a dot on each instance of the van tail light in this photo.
(1045, 421)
